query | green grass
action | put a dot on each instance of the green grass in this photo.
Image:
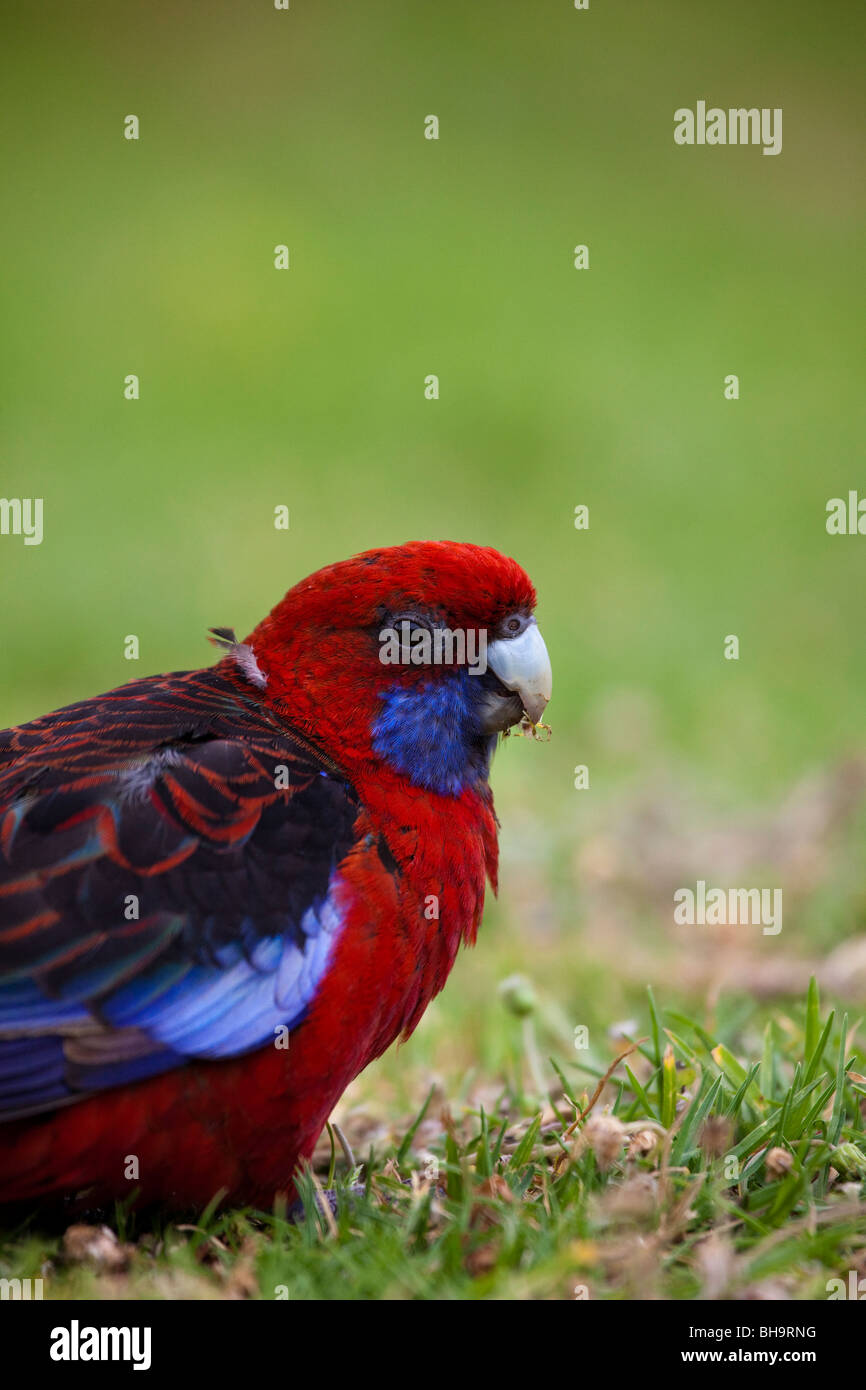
(686, 1170)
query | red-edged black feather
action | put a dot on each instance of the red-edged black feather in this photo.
(181, 796)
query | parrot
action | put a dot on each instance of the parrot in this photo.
(225, 891)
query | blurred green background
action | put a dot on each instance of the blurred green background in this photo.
(558, 387)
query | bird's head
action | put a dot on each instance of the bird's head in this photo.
(417, 655)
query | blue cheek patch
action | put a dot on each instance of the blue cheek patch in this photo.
(431, 734)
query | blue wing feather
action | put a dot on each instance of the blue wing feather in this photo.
(162, 793)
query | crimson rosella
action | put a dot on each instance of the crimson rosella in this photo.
(224, 892)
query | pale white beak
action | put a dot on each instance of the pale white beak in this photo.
(522, 664)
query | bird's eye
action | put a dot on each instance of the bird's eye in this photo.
(513, 626)
(417, 620)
